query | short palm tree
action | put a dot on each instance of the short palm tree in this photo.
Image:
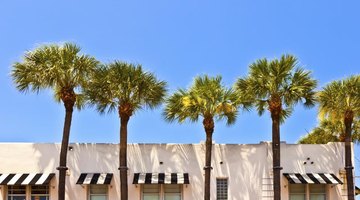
(63, 69)
(331, 131)
(277, 86)
(340, 101)
(208, 99)
(124, 88)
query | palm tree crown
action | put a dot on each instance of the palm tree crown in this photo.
(330, 131)
(277, 85)
(58, 67)
(340, 98)
(124, 86)
(207, 98)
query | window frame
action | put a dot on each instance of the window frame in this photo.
(40, 195)
(227, 186)
(89, 195)
(162, 190)
(307, 190)
(15, 195)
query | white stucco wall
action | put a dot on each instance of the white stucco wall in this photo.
(247, 167)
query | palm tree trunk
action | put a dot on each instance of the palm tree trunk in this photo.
(63, 152)
(276, 155)
(124, 119)
(348, 161)
(209, 129)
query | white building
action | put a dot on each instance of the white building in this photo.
(172, 171)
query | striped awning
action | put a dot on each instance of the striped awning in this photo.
(161, 178)
(26, 179)
(312, 178)
(94, 178)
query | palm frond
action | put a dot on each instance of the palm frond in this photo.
(338, 97)
(279, 77)
(120, 83)
(207, 97)
(53, 66)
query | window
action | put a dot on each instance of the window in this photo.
(221, 189)
(307, 191)
(40, 192)
(172, 192)
(317, 192)
(16, 192)
(297, 192)
(151, 192)
(161, 192)
(98, 192)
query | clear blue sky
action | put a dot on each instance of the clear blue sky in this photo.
(177, 40)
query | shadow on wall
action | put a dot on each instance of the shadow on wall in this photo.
(243, 159)
(169, 158)
(93, 158)
(83, 158)
(232, 161)
(314, 158)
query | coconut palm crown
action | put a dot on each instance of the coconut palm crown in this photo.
(340, 101)
(64, 70)
(209, 100)
(277, 86)
(124, 88)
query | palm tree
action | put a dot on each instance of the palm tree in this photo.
(208, 99)
(64, 70)
(124, 88)
(331, 131)
(277, 85)
(340, 101)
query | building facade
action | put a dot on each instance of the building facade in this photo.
(172, 171)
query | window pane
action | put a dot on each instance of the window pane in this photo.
(221, 189)
(99, 197)
(172, 192)
(39, 198)
(317, 197)
(16, 189)
(39, 190)
(149, 188)
(98, 192)
(317, 189)
(98, 189)
(16, 192)
(151, 192)
(172, 188)
(151, 197)
(172, 197)
(317, 192)
(297, 196)
(297, 191)
(17, 198)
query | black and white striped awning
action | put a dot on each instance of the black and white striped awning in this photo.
(26, 179)
(161, 178)
(312, 178)
(95, 178)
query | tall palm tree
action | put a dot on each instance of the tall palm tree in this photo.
(277, 86)
(64, 70)
(208, 99)
(124, 88)
(340, 101)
